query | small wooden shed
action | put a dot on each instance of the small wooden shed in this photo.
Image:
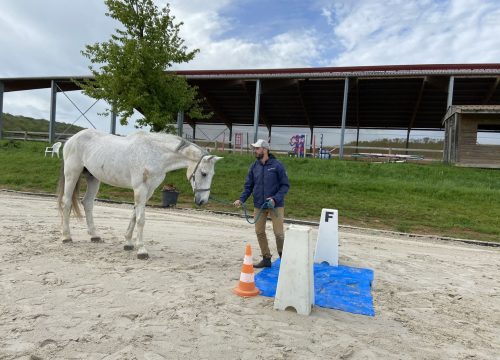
(461, 146)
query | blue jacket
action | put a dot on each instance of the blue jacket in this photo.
(265, 181)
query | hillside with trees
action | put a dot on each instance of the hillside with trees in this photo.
(24, 123)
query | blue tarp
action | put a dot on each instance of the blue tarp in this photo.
(335, 287)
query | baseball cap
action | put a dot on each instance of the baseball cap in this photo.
(261, 143)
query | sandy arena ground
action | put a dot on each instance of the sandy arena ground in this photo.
(433, 299)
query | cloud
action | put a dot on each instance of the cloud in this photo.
(284, 50)
(44, 38)
(414, 32)
(206, 29)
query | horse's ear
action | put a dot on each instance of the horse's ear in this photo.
(217, 158)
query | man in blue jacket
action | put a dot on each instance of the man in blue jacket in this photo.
(267, 180)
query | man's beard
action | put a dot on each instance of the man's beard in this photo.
(259, 156)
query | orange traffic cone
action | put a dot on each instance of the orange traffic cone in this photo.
(246, 286)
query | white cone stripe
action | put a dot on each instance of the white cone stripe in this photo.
(247, 278)
(247, 260)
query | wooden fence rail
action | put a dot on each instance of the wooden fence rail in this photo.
(33, 136)
(392, 150)
(215, 145)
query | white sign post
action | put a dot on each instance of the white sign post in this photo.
(327, 244)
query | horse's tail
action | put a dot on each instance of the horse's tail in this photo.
(75, 205)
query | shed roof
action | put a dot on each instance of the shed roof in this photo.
(493, 110)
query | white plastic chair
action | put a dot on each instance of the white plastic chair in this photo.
(54, 149)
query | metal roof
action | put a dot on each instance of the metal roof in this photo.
(391, 97)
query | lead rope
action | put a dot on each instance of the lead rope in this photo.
(267, 205)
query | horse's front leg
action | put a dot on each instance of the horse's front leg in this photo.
(88, 205)
(140, 213)
(141, 195)
(129, 245)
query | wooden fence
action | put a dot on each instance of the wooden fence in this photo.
(350, 151)
(412, 154)
(33, 136)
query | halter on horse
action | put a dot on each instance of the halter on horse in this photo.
(138, 161)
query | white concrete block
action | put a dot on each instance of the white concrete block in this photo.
(295, 286)
(327, 243)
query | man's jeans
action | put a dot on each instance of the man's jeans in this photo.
(277, 217)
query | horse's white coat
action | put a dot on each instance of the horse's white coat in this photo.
(138, 161)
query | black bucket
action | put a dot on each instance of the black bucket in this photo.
(169, 198)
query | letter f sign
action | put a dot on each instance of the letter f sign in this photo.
(328, 215)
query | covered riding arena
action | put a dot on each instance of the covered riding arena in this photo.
(397, 97)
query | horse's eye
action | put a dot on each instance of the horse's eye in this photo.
(203, 174)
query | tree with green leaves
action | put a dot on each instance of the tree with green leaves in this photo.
(129, 70)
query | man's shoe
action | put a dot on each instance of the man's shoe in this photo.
(265, 262)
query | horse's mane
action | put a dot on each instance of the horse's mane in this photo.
(172, 142)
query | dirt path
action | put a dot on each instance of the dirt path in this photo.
(433, 300)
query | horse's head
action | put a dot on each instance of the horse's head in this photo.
(200, 176)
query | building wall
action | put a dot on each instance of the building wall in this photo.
(469, 153)
(450, 139)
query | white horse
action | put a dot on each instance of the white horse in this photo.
(140, 162)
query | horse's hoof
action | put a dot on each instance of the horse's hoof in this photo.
(96, 239)
(66, 241)
(128, 247)
(143, 256)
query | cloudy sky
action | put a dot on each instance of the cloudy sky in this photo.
(44, 38)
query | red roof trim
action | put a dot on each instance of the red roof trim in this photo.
(349, 69)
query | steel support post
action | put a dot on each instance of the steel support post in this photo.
(112, 125)
(344, 115)
(311, 149)
(449, 102)
(256, 112)
(180, 122)
(451, 85)
(1, 107)
(53, 103)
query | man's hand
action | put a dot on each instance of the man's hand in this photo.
(272, 201)
(237, 203)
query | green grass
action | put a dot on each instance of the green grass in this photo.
(427, 199)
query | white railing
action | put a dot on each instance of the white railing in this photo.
(393, 150)
(436, 153)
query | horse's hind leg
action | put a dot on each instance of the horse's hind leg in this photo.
(88, 205)
(71, 177)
